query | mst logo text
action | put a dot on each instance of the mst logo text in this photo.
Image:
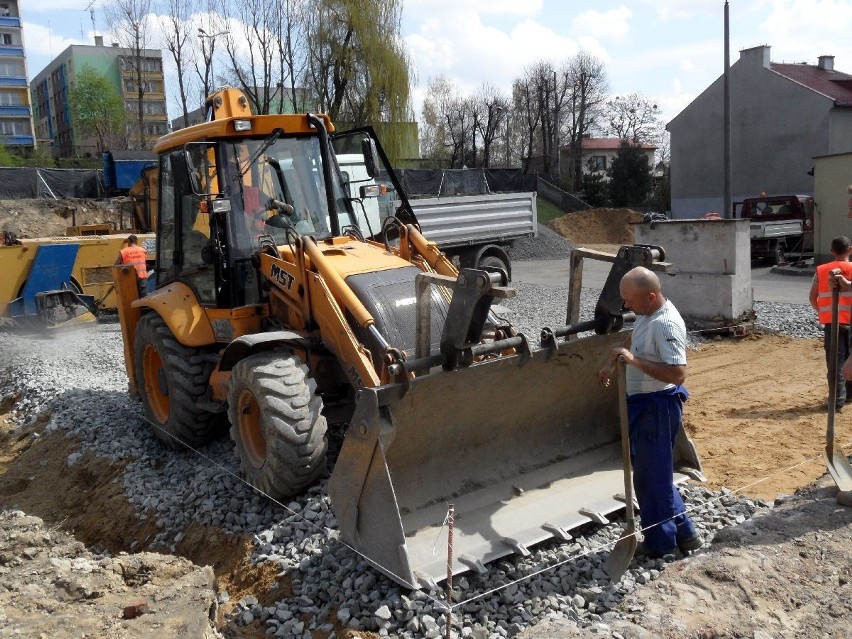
(281, 276)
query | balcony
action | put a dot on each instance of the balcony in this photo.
(13, 81)
(16, 140)
(11, 111)
(11, 51)
(10, 21)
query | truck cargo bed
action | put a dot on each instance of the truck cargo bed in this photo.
(466, 220)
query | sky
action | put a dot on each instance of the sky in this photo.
(669, 51)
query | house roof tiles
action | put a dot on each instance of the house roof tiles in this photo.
(832, 84)
(609, 144)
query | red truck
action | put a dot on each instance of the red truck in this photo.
(781, 226)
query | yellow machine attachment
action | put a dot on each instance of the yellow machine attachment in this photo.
(80, 266)
(526, 446)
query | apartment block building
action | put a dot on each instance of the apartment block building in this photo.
(52, 112)
(16, 119)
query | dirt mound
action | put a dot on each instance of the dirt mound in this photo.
(49, 218)
(597, 226)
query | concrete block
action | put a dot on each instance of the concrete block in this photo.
(713, 262)
(701, 246)
(709, 297)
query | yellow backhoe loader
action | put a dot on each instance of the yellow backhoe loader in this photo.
(276, 295)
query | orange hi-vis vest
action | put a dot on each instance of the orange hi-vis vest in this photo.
(844, 308)
(135, 256)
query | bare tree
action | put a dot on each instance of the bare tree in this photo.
(435, 140)
(586, 83)
(535, 96)
(207, 35)
(290, 39)
(251, 48)
(632, 117)
(128, 20)
(176, 31)
(493, 108)
(527, 116)
(460, 126)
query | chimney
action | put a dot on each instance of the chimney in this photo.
(826, 62)
(99, 41)
(756, 55)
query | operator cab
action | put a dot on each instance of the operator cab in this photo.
(221, 200)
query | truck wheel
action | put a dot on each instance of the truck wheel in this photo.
(171, 378)
(779, 255)
(277, 424)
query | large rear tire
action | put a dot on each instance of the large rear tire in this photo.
(171, 378)
(277, 424)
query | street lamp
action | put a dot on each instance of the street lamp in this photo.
(203, 35)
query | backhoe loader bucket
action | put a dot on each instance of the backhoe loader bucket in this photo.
(525, 447)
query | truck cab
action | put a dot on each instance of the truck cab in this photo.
(781, 226)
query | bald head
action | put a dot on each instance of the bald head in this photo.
(642, 279)
(641, 292)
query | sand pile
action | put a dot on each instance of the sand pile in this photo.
(597, 226)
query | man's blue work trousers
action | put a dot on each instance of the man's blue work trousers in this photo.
(654, 421)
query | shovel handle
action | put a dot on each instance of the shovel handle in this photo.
(621, 372)
(833, 335)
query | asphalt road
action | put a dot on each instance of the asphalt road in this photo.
(769, 285)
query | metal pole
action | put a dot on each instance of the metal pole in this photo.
(450, 527)
(507, 139)
(727, 204)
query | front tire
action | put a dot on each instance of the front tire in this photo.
(277, 424)
(171, 378)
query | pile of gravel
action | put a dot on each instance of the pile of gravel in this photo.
(547, 245)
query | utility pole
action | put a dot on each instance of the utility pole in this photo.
(507, 139)
(727, 204)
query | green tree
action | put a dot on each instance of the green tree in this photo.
(630, 176)
(595, 186)
(359, 67)
(97, 108)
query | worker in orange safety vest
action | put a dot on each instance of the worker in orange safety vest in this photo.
(820, 299)
(134, 255)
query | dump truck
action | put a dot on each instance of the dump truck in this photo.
(472, 230)
(278, 303)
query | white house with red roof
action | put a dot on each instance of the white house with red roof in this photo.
(782, 117)
(598, 153)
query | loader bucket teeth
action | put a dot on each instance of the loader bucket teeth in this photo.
(526, 449)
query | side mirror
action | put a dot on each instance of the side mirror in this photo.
(371, 157)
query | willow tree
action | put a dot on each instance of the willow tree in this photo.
(359, 67)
